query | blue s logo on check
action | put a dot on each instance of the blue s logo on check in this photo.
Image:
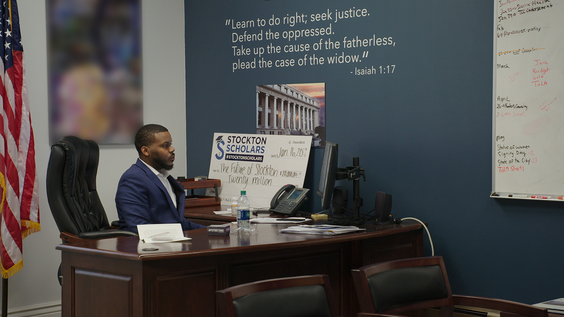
(219, 144)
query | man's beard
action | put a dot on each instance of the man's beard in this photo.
(162, 164)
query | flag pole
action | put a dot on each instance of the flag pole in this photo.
(4, 297)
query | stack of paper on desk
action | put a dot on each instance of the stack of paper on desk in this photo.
(321, 229)
(288, 220)
(553, 306)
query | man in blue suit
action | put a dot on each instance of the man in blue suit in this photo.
(147, 193)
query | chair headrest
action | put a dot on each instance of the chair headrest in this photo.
(71, 185)
(310, 300)
(406, 285)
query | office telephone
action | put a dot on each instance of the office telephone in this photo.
(288, 200)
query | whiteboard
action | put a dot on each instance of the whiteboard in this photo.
(257, 163)
(528, 105)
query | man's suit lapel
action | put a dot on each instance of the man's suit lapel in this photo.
(157, 182)
(180, 195)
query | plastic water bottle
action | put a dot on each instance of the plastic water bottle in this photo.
(234, 205)
(243, 211)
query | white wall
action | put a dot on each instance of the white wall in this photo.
(35, 290)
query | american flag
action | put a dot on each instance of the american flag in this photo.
(18, 178)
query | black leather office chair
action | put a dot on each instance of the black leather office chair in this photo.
(302, 296)
(71, 191)
(402, 286)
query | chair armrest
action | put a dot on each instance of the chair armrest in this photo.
(103, 234)
(71, 238)
(501, 305)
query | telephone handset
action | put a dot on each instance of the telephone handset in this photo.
(288, 200)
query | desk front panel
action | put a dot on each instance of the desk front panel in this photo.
(117, 279)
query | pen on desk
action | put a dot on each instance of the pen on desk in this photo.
(290, 219)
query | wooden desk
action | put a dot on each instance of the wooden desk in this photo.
(116, 277)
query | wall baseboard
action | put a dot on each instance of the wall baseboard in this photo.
(51, 309)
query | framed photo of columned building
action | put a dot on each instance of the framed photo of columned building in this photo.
(292, 109)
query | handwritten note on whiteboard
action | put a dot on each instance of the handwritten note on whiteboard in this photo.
(259, 164)
(528, 101)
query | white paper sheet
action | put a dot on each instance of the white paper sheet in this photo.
(161, 233)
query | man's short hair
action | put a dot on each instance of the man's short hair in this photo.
(146, 135)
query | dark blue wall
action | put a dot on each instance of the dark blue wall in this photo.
(423, 134)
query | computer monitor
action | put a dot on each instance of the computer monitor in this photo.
(328, 174)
